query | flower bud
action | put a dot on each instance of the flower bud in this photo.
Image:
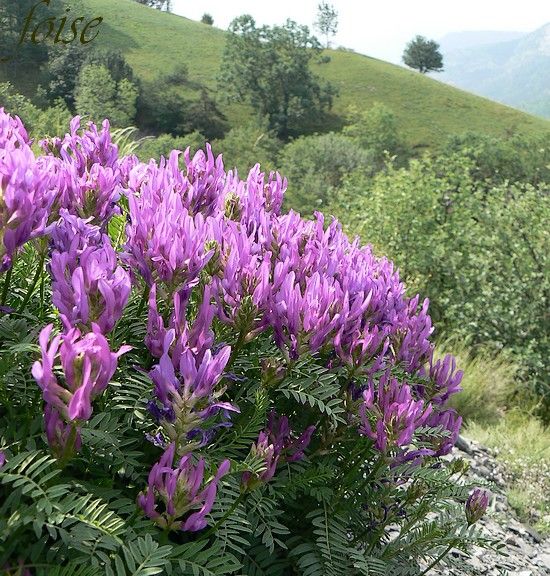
(476, 505)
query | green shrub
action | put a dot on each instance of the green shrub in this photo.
(376, 129)
(246, 145)
(316, 166)
(155, 147)
(40, 123)
(115, 100)
(481, 253)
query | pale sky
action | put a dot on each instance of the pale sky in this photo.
(382, 28)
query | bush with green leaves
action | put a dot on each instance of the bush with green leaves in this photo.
(499, 160)
(317, 165)
(192, 382)
(40, 122)
(115, 99)
(250, 144)
(376, 129)
(479, 251)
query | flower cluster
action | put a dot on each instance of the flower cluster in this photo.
(179, 490)
(276, 445)
(222, 267)
(26, 190)
(88, 284)
(87, 365)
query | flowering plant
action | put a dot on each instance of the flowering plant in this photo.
(194, 382)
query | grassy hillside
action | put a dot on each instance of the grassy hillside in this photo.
(427, 110)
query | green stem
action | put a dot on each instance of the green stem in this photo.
(223, 518)
(143, 300)
(34, 282)
(7, 280)
(439, 558)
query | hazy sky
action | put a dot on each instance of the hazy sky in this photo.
(382, 28)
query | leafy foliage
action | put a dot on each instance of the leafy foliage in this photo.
(478, 249)
(85, 492)
(115, 100)
(423, 55)
(269, 68)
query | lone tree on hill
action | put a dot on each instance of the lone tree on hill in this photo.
(327, 21)
(269, 67)
(423, 55)
(207, 19)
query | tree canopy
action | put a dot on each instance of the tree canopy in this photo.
(423, 55)
(327, 21)
(268, 67)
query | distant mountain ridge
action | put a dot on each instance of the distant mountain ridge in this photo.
(474, 38)
(515, 72)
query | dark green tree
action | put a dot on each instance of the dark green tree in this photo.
(327, 21)
(64, 66)
(17, 22)
(269, 67)
(207, 19)
(114, 61)
(98, 95)
(423, 55)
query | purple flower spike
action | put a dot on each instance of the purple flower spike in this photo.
(262, 448)
(390, 415)
(87, 364)
(90, 175)
(179, 489)
(476, 505)
(26, 194)
(64, 439)
(277, 444)
(449, 420)
(87, 283)
(2, 459)
(445, 378)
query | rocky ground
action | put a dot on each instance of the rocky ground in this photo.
(528, 554)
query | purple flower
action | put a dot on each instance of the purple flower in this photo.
(88, 285)
(243, 286)
(390, 415)
(275, 445)
(476, 505)
(179, 490)
(444, 378)
(205, 182)
(90, 175)
(266, 451)
(87, 364)
(156, 332)
(12, 132)
(165, 242)
(64, 438)
(2, 459)
(186, 380)
(26, 195)
(449, 421)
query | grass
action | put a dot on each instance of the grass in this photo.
(428, 110)
(488, 384)
(495, 414)
(523, 445)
